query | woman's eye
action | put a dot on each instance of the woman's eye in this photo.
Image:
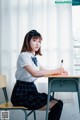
(34, 40)
(39, 41)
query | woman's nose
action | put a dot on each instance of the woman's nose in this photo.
(37, 43)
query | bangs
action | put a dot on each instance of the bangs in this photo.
(36, 37)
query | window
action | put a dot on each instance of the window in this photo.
(76, 38)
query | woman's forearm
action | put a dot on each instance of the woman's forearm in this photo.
(42, 73)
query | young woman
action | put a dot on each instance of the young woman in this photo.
(25, 92)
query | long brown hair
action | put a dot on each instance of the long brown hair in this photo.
(26, 44)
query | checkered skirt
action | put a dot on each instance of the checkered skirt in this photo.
(26, 94)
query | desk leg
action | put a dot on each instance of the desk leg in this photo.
(79, 94)
(53, 94)
(48, 101)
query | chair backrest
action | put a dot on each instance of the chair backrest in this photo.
(2, 81)
(3, 85)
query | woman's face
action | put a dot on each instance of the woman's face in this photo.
(35, 44)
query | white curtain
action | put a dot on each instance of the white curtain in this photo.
(52, 20)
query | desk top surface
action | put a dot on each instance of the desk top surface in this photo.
(62, 76)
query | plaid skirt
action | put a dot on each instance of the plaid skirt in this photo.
(26, 94)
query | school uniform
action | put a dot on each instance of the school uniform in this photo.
(25, 92)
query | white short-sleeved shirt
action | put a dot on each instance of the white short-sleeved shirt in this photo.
(25, 59)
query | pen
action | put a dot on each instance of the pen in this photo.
(61, 62)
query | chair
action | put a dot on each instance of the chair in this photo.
(8, 105)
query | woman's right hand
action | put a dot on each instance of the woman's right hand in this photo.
(61, 71)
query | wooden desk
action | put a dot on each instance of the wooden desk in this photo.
(63, 84)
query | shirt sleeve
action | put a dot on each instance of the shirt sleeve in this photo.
(24, 60)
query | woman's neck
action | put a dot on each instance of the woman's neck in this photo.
(33, 53)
